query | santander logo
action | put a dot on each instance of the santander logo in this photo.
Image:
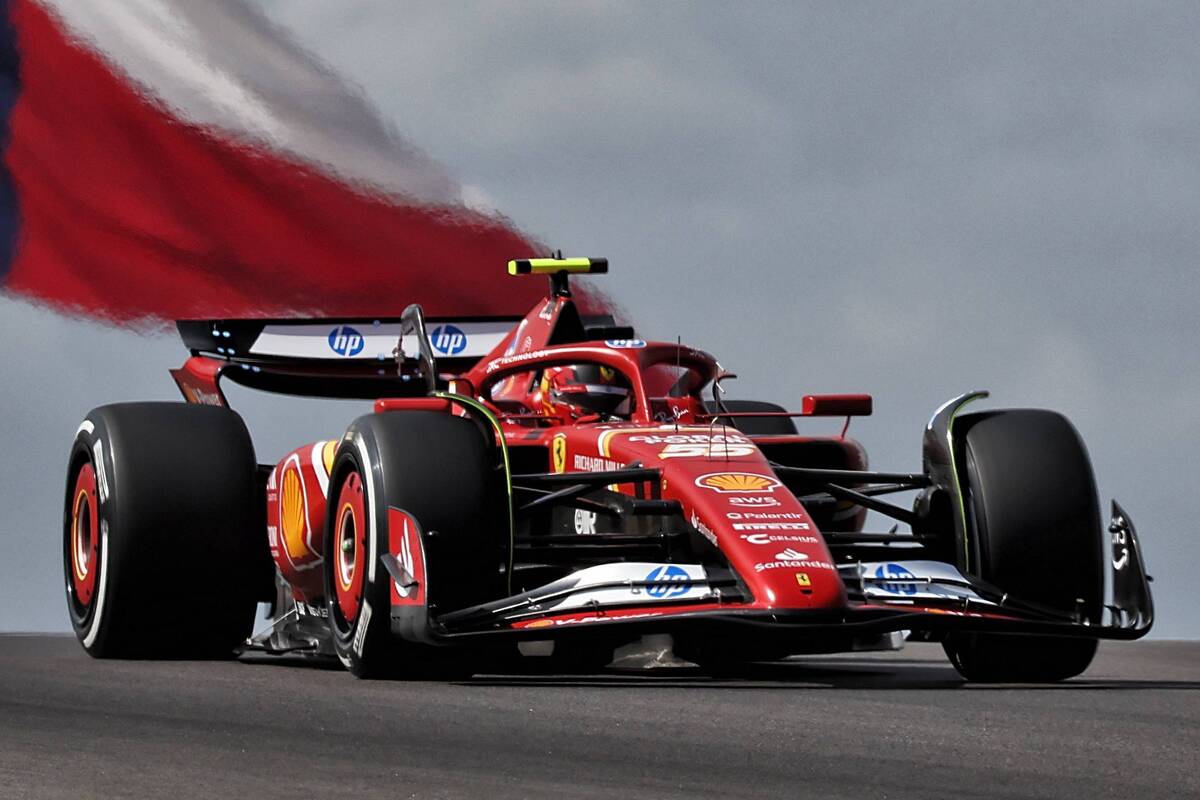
(791, 555)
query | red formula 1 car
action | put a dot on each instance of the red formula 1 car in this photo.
(558, 479)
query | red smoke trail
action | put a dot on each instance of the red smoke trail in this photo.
(126, 212)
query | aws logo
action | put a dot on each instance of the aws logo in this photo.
(759, 501)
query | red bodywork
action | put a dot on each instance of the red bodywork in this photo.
(297, 494)
(727, 490)
(723, 513)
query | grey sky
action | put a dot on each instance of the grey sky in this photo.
(908, 199)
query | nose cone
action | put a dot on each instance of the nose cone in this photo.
(730, 494)
(769, 539)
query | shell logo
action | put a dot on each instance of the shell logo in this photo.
(738, 483)
(292, 515)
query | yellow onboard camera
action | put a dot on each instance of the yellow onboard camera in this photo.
(552, 266)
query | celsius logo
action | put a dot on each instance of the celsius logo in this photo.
(448, 340)
(668, 581)
(345, 341)
(896, 572)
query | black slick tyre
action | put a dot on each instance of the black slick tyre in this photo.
(440, 470)
(164, 541)
(1033, 531)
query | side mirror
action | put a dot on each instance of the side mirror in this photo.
(718, 390)
(836, 405)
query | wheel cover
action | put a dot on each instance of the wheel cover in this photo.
(84, 543)
(350, 547)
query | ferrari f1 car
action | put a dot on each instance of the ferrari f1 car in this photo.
(558, 479)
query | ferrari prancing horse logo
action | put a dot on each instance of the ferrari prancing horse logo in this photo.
(558, 452)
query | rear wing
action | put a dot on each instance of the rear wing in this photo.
(457, 342)
(370, 358)
(340, 357)
(336, 357)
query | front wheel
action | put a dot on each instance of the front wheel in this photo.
(1033, 518)
(433, 477)
(1003, 658)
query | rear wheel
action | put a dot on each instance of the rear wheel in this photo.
(438, 470)
(164, 551)
(1034, 517)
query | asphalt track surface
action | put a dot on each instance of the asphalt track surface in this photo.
(879, 725)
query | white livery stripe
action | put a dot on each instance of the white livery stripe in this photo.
(372, 508)
(98, 612)
(318, 462)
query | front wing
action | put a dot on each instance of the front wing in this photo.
(884, 596)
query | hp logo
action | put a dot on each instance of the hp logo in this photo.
(896, 572)
(345, 341)
(448, 340)
(668, 581)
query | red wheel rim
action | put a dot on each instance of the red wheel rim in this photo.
(85, 535)
(350, 547)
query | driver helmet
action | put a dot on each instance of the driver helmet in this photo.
(581, 390)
